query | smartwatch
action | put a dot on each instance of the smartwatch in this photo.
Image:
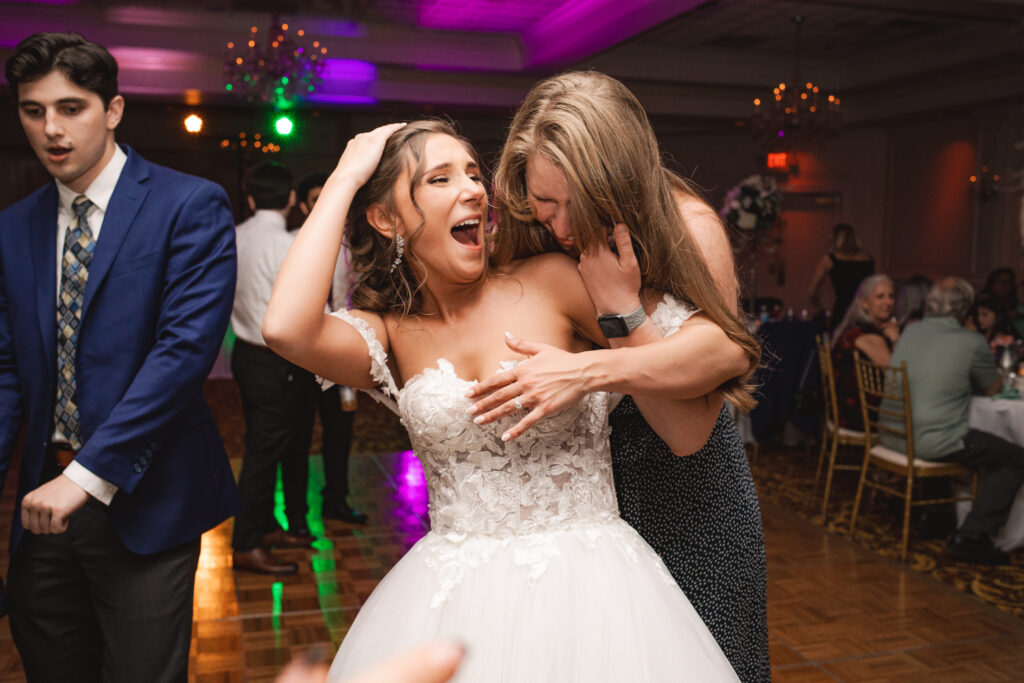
(614, 325)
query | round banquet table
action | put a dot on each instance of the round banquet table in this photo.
(1003, 417)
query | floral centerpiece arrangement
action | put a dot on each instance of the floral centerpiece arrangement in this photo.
(753, 205)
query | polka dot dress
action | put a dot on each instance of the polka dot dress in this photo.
(700, 514)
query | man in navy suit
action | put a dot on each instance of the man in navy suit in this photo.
(116, 282)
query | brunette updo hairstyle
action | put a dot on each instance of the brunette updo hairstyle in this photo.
(378, 287)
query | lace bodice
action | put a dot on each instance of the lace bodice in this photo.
(558, 473)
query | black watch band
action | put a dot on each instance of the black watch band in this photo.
(614, 325)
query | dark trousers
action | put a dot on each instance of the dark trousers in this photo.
(1000, 465)
(85, 608)
(337, 443)
(277, 401)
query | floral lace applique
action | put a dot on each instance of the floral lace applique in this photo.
(388, 390)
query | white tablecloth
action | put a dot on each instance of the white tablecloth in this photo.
(1005, 418)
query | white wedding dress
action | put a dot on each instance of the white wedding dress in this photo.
(527, 561)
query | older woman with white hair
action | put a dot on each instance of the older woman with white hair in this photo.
(868, 327)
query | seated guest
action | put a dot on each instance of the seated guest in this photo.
(1001, 285)
(946, 365)
(989, 316)
(868, 327)
(910, 300)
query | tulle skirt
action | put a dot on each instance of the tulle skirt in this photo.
(588, 604)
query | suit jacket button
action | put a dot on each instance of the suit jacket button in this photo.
(137, 468)
(147, 454)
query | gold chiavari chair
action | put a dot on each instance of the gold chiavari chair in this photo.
(886, 405)
(832, 435)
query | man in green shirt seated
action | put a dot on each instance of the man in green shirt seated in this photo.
(946, 365)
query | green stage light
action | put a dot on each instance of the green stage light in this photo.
(284, 125)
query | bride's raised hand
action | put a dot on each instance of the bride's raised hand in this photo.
(548, 382)
(362, 154)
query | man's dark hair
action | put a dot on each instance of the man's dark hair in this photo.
(87, 65)
(269, 185)
(309, 182)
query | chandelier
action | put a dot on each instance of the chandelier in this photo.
(796, 114)
(279, 69)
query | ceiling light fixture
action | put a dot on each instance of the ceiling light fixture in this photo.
(797, 114)
(277, 68)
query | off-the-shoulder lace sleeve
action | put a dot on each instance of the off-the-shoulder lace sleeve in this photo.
(388, 391)
(670, 314)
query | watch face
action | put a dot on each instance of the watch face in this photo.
(613, 326)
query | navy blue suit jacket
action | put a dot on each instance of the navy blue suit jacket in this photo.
(157, 303)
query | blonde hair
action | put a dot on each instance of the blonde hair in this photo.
(592, 128)
(378, 286)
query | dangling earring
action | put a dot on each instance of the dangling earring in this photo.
(399, 252)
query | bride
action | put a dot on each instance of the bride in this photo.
(527, 561)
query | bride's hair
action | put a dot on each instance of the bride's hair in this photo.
(595, 130)
(378, 286)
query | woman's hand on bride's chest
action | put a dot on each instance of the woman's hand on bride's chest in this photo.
(474, 340)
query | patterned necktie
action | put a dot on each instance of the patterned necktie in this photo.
(78, 248)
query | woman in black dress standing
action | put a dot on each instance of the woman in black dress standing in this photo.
(580, 157)
(846, 265)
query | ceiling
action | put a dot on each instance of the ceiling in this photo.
(684, 58)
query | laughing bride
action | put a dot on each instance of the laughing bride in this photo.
(527, 560)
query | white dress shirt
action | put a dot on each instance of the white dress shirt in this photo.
(99, 193)
(262, 242)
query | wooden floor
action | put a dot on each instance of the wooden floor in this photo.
(836, 612)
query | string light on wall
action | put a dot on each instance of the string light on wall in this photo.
(797, 114)
(277, 67)
(985, 183)
(251, 142)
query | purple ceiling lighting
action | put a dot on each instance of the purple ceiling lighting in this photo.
(156, 59)
(580, 28)
(40, 2)
(354, 70)
(514, 16)
(330, 98)
(346, 81)
(553, 31)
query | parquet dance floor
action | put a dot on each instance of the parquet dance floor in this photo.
(837, 612)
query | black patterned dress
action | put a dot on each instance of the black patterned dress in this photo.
(701, 515)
